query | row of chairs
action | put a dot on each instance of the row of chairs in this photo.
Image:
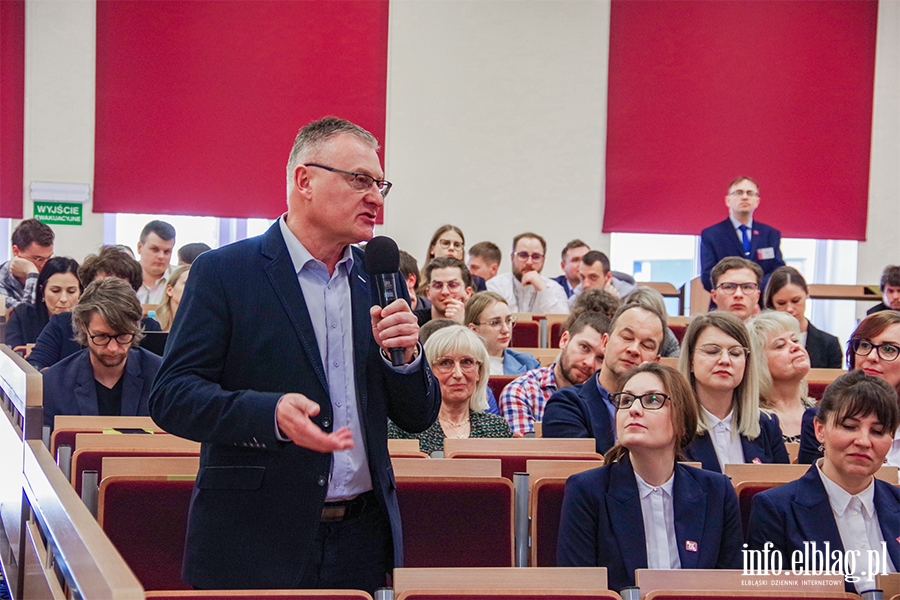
(473, 491)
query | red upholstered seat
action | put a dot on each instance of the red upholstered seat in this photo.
(547, 496)
(498, 382)
(526, 334)
(817, 388)
(555, 334)
(745, 492)
(146, 520)
(456, 521)
(679, 331)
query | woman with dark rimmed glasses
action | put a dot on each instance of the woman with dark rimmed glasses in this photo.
(874, 348)
(643, 509)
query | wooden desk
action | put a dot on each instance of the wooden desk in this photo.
(830, 291)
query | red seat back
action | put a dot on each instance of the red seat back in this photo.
(146, 520)
(548, 499)
(498, 382)
(526, 334)
(456, 521)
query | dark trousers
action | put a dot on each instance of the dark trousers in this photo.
(351, 554)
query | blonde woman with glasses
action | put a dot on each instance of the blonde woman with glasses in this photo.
(459, 360)
(715, 360)
(488, 315)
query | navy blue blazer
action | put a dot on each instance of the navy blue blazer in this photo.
(243, 339)
(579, 411)
(56, 340)
(809, 445)
(823, 348)
(25, 324)
(70, 388)
(768, 447)
(518, 363)
(799, 512)
(601, 523)
(720, 240)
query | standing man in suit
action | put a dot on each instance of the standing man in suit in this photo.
(278, 365)
(112, 375)
(739, 235)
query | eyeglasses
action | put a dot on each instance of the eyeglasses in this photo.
(101, 339)
(714, 351)
(447, 244)
(523, 256)
(888, 351)
(498, 322)
(748, 193)
(451, 285)
(651, 401)
(37, 260)
(731, 288)
(446, 365)
(359, 181)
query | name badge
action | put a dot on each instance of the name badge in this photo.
(765, 253)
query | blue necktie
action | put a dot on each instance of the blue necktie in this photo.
(746, 239)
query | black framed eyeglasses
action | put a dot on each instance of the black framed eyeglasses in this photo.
(523, 256)
(731, 288)
(359, 181)
(887, 351)
(101, 339)
(651, 401)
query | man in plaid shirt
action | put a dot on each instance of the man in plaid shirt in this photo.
(522, 401)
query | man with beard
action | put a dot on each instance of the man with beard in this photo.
(523, 400)
(525, 289)
(112, 376)
(635, 336)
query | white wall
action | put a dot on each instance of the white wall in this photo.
(882, 245)
(59, 109)
(497, 121)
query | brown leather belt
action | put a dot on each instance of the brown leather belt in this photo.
(335, 512)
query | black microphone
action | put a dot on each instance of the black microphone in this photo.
(382, 262)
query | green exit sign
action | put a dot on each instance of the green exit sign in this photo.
(58, 213)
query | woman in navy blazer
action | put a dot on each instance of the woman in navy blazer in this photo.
(856, 423)
(874, 347)
(787, 291)
(603, 521)
(714, 358)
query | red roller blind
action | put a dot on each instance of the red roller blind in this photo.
(703, 91)
(12, 106)
(198, 101)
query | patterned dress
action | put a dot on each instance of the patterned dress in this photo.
(481, 425)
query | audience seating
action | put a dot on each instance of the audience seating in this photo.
(514, 453)
(533, 582)
(91, 448)
(728, 583)
(699, 302)
(526, 334)
(546, 356)
(498, 382)
(143, 507)
(456, 521)
(547, 479)
(405, 449)
(554, 333)
(65, 427)
(440, 467)
(261, 595)
(819, 379)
